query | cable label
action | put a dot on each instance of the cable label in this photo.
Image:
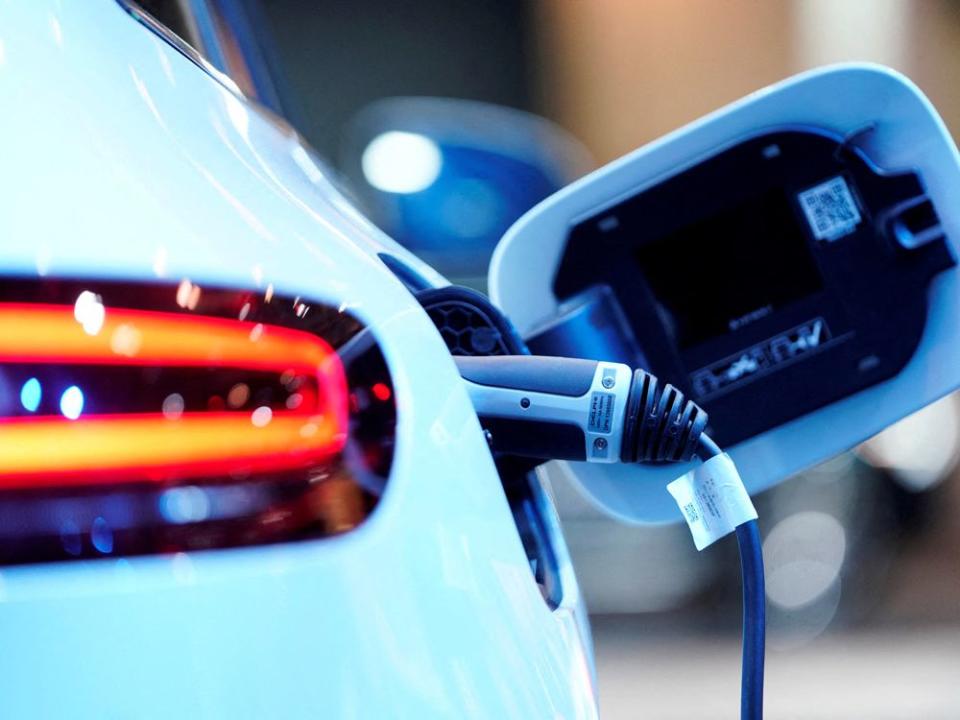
(713, 500)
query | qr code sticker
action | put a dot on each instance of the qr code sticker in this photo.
(830, 209)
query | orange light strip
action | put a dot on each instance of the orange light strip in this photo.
(47, 451)
(50, 333)
(38, 452)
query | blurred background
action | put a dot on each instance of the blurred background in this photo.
(519, 98)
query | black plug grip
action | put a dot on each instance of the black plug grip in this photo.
(660, 425)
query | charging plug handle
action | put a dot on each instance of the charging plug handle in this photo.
(573, 409)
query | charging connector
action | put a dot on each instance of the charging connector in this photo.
(572, 409)
(553, 408)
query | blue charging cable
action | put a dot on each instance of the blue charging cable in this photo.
(754, 606)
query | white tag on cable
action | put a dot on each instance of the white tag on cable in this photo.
(713, 500)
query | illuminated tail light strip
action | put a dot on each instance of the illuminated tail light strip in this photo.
(37, 452)
(53, 333)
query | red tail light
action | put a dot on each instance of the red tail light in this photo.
(129, 393)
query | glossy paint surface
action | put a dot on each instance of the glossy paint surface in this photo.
(122, 159)
(897, 127)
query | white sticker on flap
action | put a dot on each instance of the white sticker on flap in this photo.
(713, 500)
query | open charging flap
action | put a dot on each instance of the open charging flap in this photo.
(788, 262)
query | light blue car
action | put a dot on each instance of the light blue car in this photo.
(240, 476)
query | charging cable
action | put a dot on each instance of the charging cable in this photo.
(754, 604)
(553, 408)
